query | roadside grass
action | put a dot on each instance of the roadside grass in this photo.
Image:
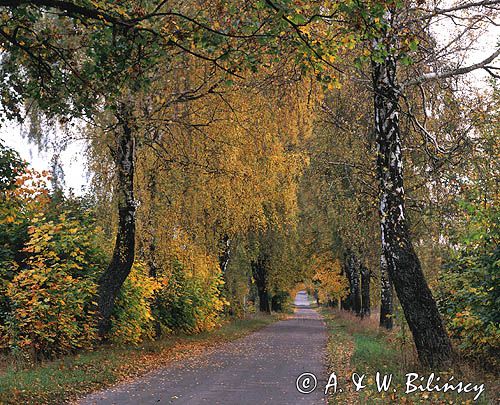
(70, 377)
(370, 350)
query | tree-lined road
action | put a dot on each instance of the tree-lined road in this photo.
(260, 368)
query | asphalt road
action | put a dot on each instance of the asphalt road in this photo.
(260, 368)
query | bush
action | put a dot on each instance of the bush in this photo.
(189, 303)
(469, 292)
(21, 198)
(133, 317)
(50, 298)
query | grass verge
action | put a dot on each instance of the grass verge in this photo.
(359, 346)
(70, 377)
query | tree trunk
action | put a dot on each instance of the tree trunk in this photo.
(420, 309)
(276, 304)
(224, 257)
(123, 254)
(365, 291)
(346, 302)
(264, 301)
(356, 290)
(225, 254)
(386, 305)
(352, 272)
(259, 275)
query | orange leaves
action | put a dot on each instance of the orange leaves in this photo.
(333, 285)
(9, 219)
(47, 315)
(31, 184)
(30, 193)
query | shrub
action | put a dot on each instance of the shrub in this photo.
(469, 292)
(23, 195)
(190, 303)
(50, 298)
(133, 317)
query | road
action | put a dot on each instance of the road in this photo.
(260, 368)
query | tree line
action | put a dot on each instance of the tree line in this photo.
(240, 148)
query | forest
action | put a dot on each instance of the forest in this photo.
(241, 151)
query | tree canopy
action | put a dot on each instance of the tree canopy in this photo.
(240, 149)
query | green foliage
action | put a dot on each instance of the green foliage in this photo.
(190, 303)
(51, 255)
(51, 296)
(469, 285)
(133, 318)
(11, 165)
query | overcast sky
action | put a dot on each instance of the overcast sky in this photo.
(73, 161)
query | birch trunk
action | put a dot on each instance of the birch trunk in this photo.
(225, 255)
(386, 304)
(420, 309)
(355, 285)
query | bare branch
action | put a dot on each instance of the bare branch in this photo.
(459, 7)
(427, 77)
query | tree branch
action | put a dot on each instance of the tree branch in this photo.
(68, 7)
(427, 77)
(463, 6)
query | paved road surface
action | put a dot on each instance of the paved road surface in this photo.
(260, 368)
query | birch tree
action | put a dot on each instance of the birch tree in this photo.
(388, 51)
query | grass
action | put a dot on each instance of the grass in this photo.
(371, 352)
(359, 346)
(67, 378)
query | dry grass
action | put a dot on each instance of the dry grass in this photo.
(368, 323)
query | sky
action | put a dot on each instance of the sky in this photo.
(73, 160)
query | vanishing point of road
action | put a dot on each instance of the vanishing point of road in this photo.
(261, 368)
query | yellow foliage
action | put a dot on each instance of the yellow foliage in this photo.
(133, 318)
(332, 284)
(50, 300)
